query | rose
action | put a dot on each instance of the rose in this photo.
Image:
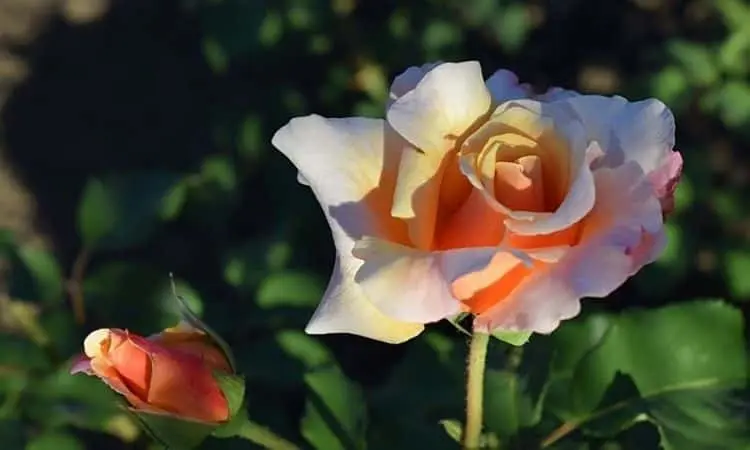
(482, 197)
(169, 373)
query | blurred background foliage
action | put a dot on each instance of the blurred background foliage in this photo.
(135, 142)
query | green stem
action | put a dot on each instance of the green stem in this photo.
(264, 437)
(475, 390)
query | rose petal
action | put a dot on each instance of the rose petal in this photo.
(640, 131)
(348, 164)
(193, 342)
(408, 80)
(183, 385)
(350, 169)
(556, 93)
(413, 285)
(664, 180)
(442, 106)
(532, 117)
(503, 86)
(474, 224)
(608, 254)
(346, 309)
(81, 364)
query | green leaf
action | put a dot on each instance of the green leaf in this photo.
(508, 405)
(512, 27)
(187, 315)
(732, 100)
(233, 387)
(514, 392)
(174, 433)
(737, 270)
(11, 433)
(45, 273)
(335, 414)
(122, 210)
(696, 60)
(516, 338)
(453, 428)
(97, 213)
(283, 359)
(683, 380)
(291, 289)
(55, 441)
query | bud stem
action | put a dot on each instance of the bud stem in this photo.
(264, 437)
(475, 390)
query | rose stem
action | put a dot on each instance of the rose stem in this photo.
(475, 390)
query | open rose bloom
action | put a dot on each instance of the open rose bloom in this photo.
(170, 373)
(478, 196)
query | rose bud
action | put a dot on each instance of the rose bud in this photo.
(169, 373)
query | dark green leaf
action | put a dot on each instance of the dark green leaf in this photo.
(122, 210)
(335, 414)
(174, 433)
(43, 267)
(55, 441)
(293, 289)
(684, 380)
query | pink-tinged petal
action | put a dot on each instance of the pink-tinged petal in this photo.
(350, 165)
(622, 233)
(81, 364)
(664, 180)
(640, 131)
(413, 285)
(503, 86)
(442, 106)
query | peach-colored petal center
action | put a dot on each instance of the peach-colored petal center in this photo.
(519, 185)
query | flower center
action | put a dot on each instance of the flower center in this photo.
(521, 160)
(519, 184)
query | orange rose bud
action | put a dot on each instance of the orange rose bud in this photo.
(168, 373)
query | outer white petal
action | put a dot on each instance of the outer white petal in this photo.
(346, 161)
(626, 208)
(414, 285)
(346, 309)
(442, 106)
(556, 93)
(503, 85)
(640, 131)
(408, 80)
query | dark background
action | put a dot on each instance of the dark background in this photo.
(147, 124)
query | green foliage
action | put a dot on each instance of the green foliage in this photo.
(335, 412)
(122, 210)
(613, 371)
(172, 432)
